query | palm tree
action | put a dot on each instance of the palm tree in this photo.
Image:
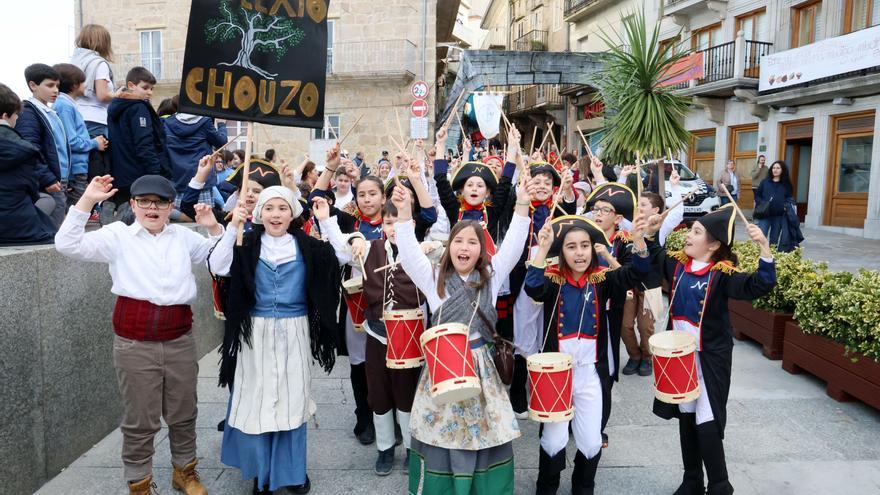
(644, 119)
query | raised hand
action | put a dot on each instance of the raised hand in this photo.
(440, 137)
(239, 215)
(402, 199)
(321, 208)
(567, 181)
(466, 149)
(102, 143)
(653, 224)
(99, 189)
(204, 168)
(758, 237)
(287, 177)
(333, 157)
(205, 217)
(513, 138)
(545, 237)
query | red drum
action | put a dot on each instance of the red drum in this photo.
(220, 293)
(675, 366)
(450, 363)
(550, 387)
(354, 299)
(403, 329)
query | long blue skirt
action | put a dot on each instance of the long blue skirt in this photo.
(276, 458)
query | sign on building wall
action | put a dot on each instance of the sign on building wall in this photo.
(830, 57)
(685, 69)
(256, 60)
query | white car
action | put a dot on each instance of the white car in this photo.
(704, 199)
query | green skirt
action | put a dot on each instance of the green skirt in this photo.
(439, 471)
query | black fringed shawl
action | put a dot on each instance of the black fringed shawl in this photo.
(322, 276)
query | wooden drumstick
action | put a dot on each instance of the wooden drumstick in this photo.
(217, 152)
(677, 204)
(389, 265)
(733, 202)
(363, 270)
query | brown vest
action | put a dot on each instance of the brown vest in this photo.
(392, 284)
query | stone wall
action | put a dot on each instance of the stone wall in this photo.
(58, 386)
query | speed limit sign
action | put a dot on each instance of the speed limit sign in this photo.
(419, 90)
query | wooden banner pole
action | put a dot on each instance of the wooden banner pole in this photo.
(246, 172)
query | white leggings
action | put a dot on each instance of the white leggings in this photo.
(701, 405)
(587, 421)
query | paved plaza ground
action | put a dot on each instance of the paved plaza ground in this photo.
(784, 436)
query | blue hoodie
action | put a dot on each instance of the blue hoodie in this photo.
(188, 139)
(137, 140)
(77, 134)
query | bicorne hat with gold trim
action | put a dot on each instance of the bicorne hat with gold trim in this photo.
(622, 198)
(563, 225)
(261, 172)
(720, 223)
(474, 169)
(544, 167)
(389, 185)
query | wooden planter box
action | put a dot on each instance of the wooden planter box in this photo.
(764, 327)
(825, 359)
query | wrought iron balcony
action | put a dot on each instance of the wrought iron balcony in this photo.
(166, 66)
(727, 66)
(372, 59)
(533, 41)
(544, 96)
(578, 9)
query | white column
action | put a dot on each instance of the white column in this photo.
(872, 219)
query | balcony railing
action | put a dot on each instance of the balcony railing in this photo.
(533, 41)
(166, 66)
(538, 96)
(755, 51)
(372, 58)
(734, 60)
(573, 7)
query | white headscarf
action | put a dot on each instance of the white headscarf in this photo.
(272, 193)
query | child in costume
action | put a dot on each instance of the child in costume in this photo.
(282, 302)
(576, 296)
(367, 220)
(463, 447)
(702, 278)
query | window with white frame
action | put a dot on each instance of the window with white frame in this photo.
(330, 129)
(151, 52)
(236, 130)
(331, 41)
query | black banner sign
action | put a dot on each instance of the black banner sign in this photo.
(256, 60)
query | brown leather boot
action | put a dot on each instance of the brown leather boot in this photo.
(143, 487)
(186, 480)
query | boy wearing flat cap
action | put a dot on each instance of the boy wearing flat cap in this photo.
(154, 351)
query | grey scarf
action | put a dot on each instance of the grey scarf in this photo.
(459, 308)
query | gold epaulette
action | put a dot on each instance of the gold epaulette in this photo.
(624, 235)
(679, 255)
(554, 276)
(727, 267)
(599, 276)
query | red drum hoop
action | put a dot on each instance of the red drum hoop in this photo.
(354, 299)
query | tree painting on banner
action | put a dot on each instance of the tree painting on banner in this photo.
(257, 60)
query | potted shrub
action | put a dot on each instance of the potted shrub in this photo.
(763, 320)
(837, 334)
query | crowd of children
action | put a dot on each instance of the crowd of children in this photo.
(555, 255)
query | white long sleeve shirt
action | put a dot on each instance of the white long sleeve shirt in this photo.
(423, 274)
(155, 268)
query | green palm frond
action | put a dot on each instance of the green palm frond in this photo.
(642, 117)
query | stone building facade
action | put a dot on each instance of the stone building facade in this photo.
(376, 50)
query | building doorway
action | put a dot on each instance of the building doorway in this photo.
(744, 152)
(796, 149)
(852, 141)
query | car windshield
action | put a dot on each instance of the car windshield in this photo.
(683, 172)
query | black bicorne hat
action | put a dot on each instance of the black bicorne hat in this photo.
(474, 169)
(720, 223)
(261, 172)
(538, 167)
(622, 198)
(562, 225)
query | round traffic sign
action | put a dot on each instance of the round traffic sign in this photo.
(419, 108)
(419, 90)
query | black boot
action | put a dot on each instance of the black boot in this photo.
(692, 482)
(518, 395)
(260, 491)
(712, 452)
(548, 472)
(583, 479)
(363, 429)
